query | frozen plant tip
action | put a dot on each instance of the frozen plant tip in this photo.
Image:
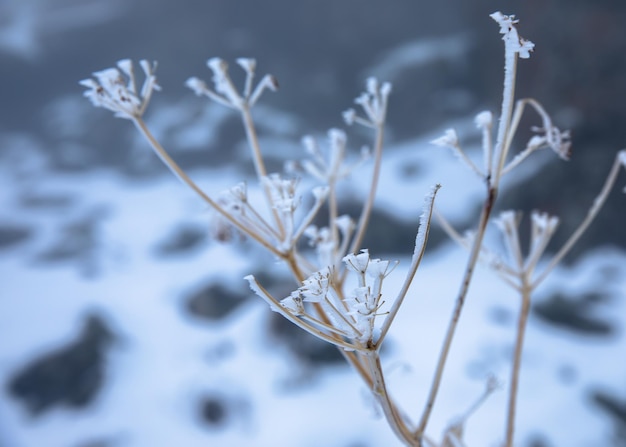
(510, 36)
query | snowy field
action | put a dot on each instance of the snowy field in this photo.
(164, 361)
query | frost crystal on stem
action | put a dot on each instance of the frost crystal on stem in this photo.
(512, 39)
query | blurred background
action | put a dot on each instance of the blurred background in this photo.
(111, 290)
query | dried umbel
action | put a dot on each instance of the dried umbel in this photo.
(116, 89)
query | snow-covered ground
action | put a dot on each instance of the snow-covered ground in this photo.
(165, 360)
(134, 249)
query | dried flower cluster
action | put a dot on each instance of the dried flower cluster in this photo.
(340, 298)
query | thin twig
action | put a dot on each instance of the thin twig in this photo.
(178, 172)
(369, 202)
(517, 363)
(456, 313)
(591, 215)
(259, 164)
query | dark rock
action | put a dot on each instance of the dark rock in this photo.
(219, 409)
(307, 348)
(214, 301)
(573, 313)
(13, 235)
(70, 376)
(182, 240)
(78, 241)
(213, 410)
(615, 407)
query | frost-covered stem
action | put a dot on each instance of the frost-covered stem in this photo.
(504, 124)
(520, 105)
(418, 254)
(178, 172)
(394, 419)
(620, 160)
(517, 362)
(257, 158)
(369, 202)
(456, 313)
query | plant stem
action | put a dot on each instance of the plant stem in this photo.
(259, 164)
(394, 419)
(517, 362)
(369, 202)
(456, 313)
(182, 176)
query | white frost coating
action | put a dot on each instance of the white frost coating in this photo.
(349, 116)
(506, 220)
(544, 222)
(197, 85)
(424, 223)
(320, 192)
(344, 223)
(248, 64)
(358, 262)
(256, 288)
(484, 119)
(511, 38)
(448, 139)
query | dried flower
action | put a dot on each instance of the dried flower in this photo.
(225, 92)
(373, 102)
(115, 89)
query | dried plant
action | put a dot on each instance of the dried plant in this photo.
(340, 294)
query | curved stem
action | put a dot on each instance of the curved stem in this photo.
(395, 420)
(183, 177)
